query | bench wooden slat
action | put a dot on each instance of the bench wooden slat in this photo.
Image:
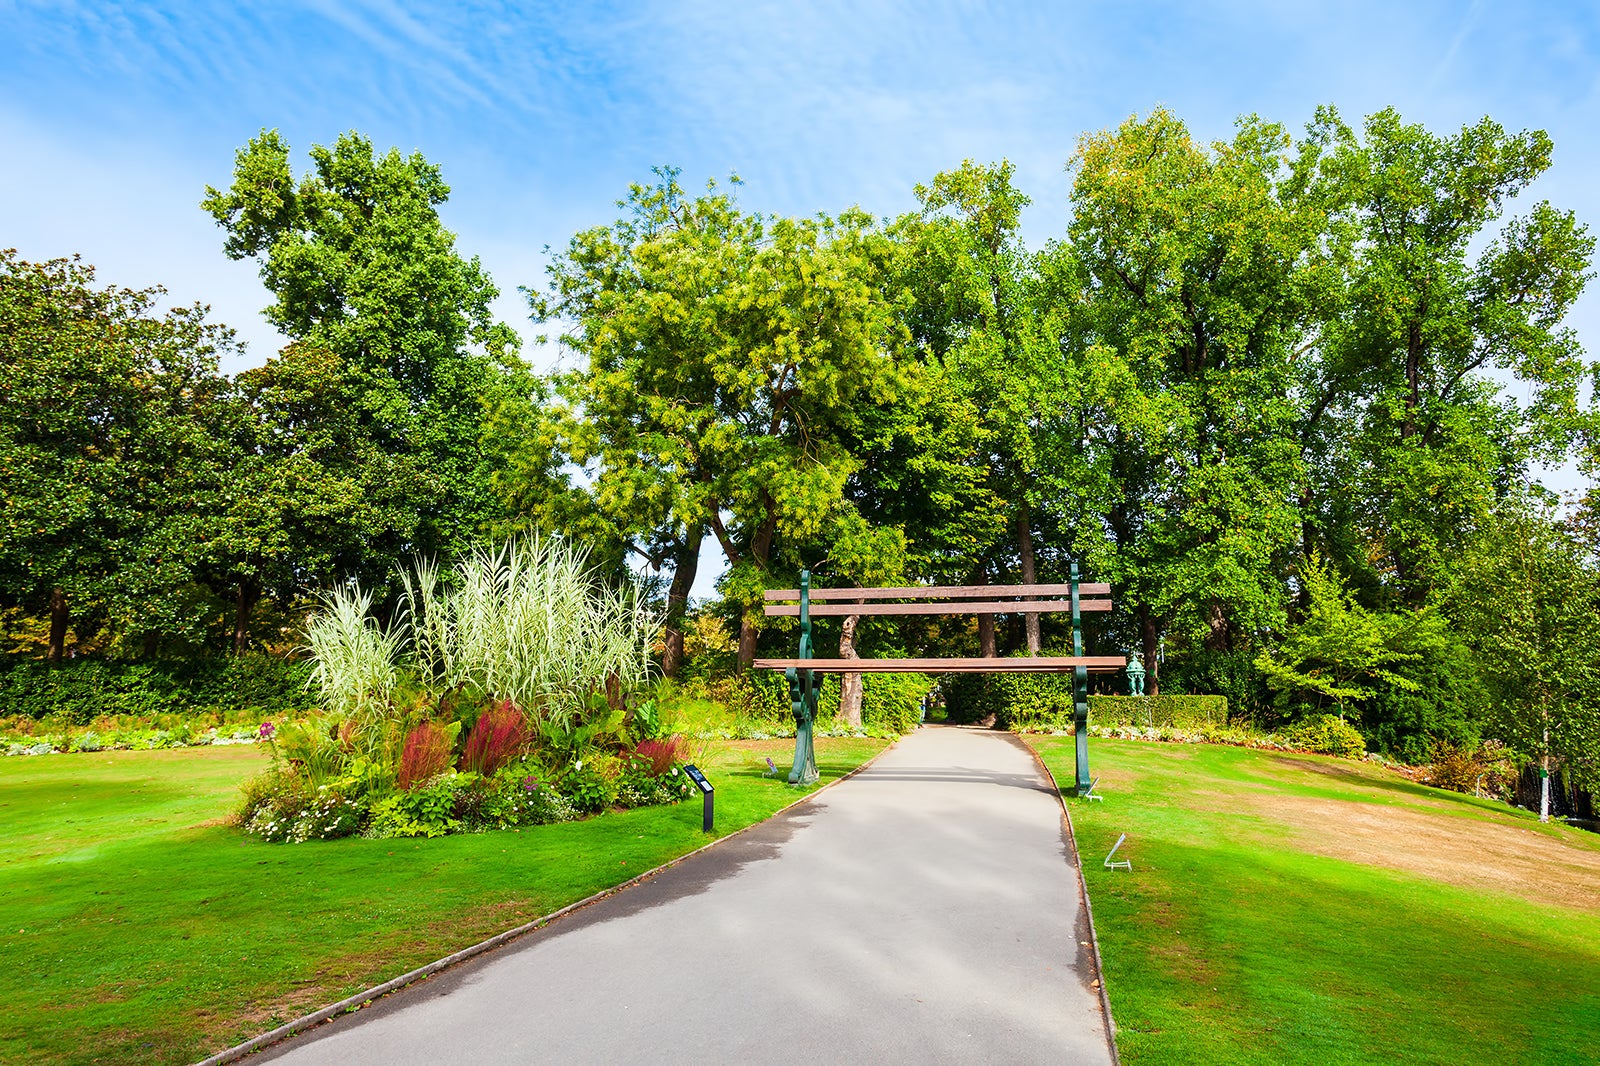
(942, 592)
(792, 610)
(1054, 664)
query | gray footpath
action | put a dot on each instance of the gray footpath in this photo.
(925, 910)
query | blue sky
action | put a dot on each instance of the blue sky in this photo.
(114, 117)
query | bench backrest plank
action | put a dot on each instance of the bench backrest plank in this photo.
(792, 610)
(941, 592)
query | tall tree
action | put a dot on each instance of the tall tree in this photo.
(310, 497)
(359, 263)
(725, 351)
(1410, 439)
(1527, 601)
(1183, 274)
(107, 465)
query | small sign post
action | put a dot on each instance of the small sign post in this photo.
(707, 792)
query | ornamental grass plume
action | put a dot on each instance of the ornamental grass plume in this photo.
(660, 755)
(499, 736)
(425, 756)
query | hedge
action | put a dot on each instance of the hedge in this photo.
(78, 691)
(891, 704)
(1041, 703)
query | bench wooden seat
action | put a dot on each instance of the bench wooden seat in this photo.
(1052, 664)
(806, 603)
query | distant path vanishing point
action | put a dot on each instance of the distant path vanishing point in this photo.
(925, 911)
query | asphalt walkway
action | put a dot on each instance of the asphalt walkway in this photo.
(922, 911)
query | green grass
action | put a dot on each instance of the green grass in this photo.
(136, 927)
(1233, 941)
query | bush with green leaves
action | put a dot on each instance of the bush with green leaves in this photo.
(1043, 703)
(1326, 734)
(207, 692)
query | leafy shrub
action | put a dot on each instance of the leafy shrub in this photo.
(313, 748)
(656, 757)
(497, 737)
(81, 690)
(519, 795)
(426, 754)
(1326, 734)
(641, 789)
(1179, 711)
(280, 808)
(427, 810)
(1043, 703)
(592, 784)
(1487, 769)
(891, 704)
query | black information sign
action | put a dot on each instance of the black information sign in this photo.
(707, 792)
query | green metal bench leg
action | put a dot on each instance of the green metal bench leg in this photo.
(1080, 695)
(1080, 727)
(804, 688)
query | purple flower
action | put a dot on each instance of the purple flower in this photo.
(531, 784)
(267, 730)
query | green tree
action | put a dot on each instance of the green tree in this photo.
(360, 264)
(1409, 440)
(310, 497)
(1185, 287)
(726, 352)
(1340, 655)
(968, 276)
(1527, 601)
(108, 459)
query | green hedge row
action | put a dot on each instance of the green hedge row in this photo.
(1042, 703)
(80, 690)
(891, 704)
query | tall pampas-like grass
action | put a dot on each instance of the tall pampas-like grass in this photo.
(526, 621)
(354, 660)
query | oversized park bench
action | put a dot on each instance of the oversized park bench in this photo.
(804, 672)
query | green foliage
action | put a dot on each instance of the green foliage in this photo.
(110, 438)
(1042, 703)
(1326, 734)
(1340, 654)
(1527, 600)
(360, 265)
(891, 704)
(1411, 439)
(79, 691)
(428, 810)
(725, 356)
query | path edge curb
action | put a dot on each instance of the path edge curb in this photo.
(1083, 897)
(361, 999)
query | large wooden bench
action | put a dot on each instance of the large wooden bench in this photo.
(806, 603)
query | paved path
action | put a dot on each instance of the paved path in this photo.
(923, 911)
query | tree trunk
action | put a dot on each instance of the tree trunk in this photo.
(244, 607)
(749, 626)
(986, 642)
(58, 625)
(1030, 622)
(1217, 636)
(849, 684)
(683, 574)
(1152, 651)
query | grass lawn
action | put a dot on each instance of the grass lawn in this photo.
(1295, 909)
(134, 926)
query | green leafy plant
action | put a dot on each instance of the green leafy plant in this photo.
(1326, 734)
